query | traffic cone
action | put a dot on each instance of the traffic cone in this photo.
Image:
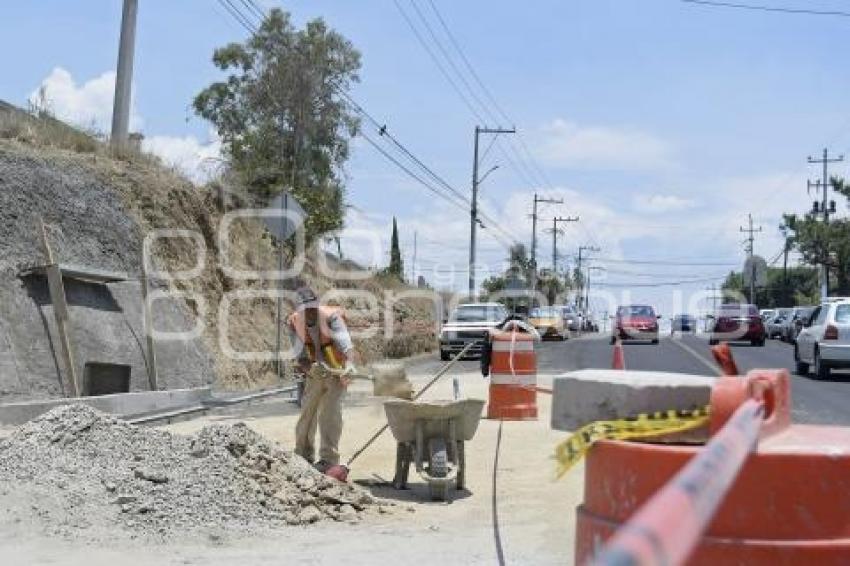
(723, 356)
(619, 359)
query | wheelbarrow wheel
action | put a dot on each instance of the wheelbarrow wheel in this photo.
(438, 458)
(438, 467)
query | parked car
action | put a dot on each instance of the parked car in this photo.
(469, 323)
(824, 342)
(775, 326)
(737, 322)
(549, 322)
(766, 314)
(635, 322)
(572, 320)
(795, 323)
(683, 323)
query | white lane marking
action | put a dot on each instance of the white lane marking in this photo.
(710, 365)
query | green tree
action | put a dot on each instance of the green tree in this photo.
(784, 288)
(281, 116)
(396, 266)
(519, 270)
(823, 244)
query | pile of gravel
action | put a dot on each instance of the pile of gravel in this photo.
(79, 473)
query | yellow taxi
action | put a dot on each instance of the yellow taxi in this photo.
(549, 322)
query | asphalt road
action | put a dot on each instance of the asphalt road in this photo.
(813, 401)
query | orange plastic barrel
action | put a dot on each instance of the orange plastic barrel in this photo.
(790, 504)
(513, 376)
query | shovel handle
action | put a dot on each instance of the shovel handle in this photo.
(428, 385)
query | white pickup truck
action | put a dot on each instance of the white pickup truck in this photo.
(469, 323)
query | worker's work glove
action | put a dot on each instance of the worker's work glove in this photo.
(348, 373)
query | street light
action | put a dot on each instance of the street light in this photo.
(484, 176)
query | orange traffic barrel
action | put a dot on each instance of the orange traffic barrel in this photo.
(513, 375)
(790, 503)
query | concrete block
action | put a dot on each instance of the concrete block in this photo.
(119, 404)
(584, 396)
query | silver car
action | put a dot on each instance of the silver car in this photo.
(824, 342)
(572, 321)
(775, 327)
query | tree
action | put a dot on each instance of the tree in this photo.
(396, 266)
(823, 244)
(801, 287)
(281, 116)
(519, 272)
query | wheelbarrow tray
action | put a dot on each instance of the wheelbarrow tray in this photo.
(402, 416)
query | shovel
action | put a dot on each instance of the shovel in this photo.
(340, 471)
(389, 380)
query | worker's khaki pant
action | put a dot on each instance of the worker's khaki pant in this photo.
(321, 407)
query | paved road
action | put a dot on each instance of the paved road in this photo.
(813, 401)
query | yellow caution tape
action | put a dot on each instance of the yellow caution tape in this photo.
(569, 452)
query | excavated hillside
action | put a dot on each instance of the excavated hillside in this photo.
(97, 210)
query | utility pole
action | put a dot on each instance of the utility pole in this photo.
(587, 287)
(555, 231)
(537, 200)
(582, 249)
(714, 297)
(825, 208)
(750, 241)
(124, 76)
(473, 211)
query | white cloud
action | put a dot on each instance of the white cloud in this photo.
(656, 203)
(197, 160)
(88, 105)
(567, 144)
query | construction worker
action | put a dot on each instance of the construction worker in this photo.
(321, 340)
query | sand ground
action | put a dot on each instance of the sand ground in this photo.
(512, 513)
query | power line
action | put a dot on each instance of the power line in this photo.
(665, 262)
(437, 62)
(763, 8)
(522, 170)
(660, 284)
(401, 166)
(237, 15)
(451, 62)
(252, 7)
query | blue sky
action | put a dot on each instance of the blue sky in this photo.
(660, 123)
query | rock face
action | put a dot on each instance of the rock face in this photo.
(78, 473)
(89, 225)
(584, 396)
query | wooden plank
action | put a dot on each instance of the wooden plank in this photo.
(153, 376)
(80, 273)
(60, 311)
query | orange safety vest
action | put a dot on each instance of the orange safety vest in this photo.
(332, 355)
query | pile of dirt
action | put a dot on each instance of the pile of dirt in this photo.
(81, 474)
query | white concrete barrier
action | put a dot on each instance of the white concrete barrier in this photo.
(119, 404)
(584, 396)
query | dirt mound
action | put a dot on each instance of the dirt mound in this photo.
(79, 473)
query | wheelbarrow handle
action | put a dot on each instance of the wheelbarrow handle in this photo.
(428, 385)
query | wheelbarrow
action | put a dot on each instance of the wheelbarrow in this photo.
(432, 435)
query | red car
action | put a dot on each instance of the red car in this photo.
(635, 322)
(737, 322)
